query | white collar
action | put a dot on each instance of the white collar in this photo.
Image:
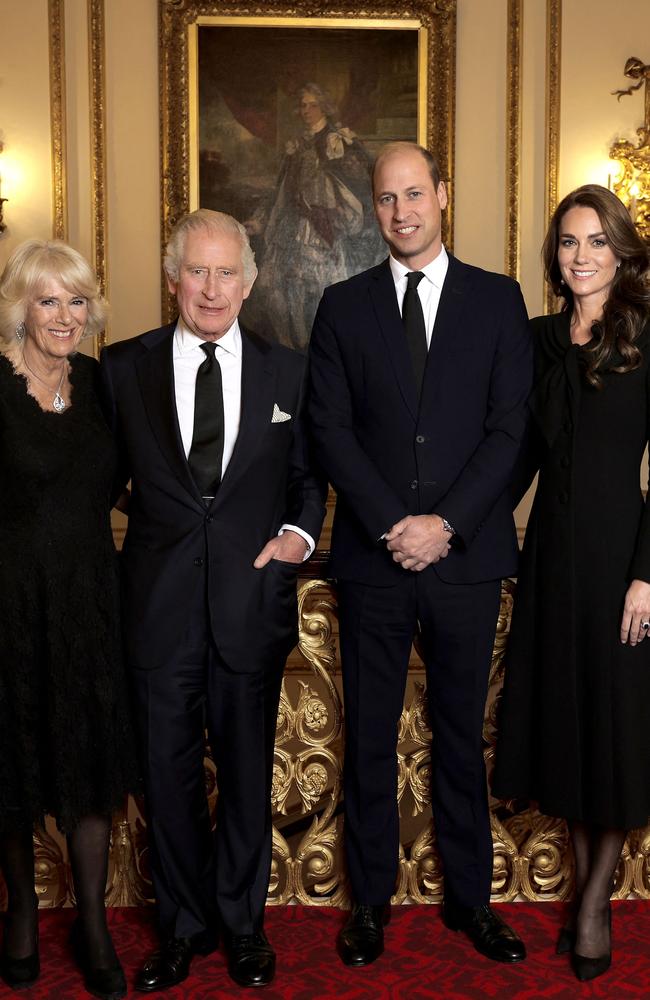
(435, 271)
(186, 341)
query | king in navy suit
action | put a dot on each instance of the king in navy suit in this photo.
(223, 509)
(420, 369)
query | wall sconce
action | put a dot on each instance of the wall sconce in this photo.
(632, 183)
(2, 201)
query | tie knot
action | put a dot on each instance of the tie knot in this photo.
(413, 279)
(209, 349)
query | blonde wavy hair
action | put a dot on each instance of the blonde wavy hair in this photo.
(25, 277)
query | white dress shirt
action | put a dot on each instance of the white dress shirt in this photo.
(187, 359)
(429, 289)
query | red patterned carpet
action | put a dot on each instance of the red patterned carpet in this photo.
(422, 959)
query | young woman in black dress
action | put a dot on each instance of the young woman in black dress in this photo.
(66, 746)
(574, 732)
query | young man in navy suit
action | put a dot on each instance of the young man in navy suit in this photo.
(224, 508)
(420, 371)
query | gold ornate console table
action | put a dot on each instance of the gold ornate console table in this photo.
(531, 856)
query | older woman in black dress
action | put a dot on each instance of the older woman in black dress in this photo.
(65, 738)
(574, 732)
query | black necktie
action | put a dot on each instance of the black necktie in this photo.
(414, 327)
(206, 452)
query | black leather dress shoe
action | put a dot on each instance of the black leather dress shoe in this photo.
(251, 959)
(170, 964)
(361, 940)
(486, 930)
(106, 983)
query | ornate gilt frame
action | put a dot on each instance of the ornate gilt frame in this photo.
(56, 19)
(513, 137)
(435, 19)
(96, 48)
(553, 86)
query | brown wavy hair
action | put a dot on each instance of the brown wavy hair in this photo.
(627, 308)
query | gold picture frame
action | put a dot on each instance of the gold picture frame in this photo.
(432, 24)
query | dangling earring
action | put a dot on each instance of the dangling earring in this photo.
(20, 332)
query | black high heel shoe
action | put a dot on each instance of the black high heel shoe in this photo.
(589, 968)
(105, 983)
(20, 973)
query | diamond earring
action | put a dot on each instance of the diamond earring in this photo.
(20, 331)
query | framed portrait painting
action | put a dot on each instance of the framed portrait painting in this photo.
(276, 116)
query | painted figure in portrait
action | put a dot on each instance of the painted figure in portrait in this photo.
(320, 226)
(288, 127)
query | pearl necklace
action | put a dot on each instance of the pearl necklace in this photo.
(58, 401)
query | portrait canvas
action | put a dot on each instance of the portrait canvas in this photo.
(289, 121)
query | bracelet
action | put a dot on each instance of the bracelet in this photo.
(446, 525)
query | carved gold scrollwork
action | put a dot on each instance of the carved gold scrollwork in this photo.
(532, 856)
(425, 881)
(641, 877)
(124, 879)
(50, 871)
(544, 867)
(505, 873)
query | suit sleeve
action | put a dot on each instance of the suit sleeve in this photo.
(490, 470)
(351, 472)
(306, 483)
(109, 405)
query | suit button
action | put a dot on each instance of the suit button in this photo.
(564, 461)
(420, 439)
(414, 485)
(209, 518)
(563, 496)
(198, 561)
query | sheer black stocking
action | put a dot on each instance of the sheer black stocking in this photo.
(17, 862)
(88, 849)
(596, 852)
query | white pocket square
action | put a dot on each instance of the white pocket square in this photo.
(279, 416)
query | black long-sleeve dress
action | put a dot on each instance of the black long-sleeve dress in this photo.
(66, 744)
(574, 728)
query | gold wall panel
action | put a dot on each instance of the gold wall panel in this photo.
(532, 859)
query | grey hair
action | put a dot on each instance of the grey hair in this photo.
(25, 277)
(217, 223)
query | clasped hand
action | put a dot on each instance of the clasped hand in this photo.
(417, 541)
(636, 610)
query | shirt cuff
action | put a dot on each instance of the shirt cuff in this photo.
(311, 544)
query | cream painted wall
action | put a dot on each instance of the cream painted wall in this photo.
(25, 164)
(479, 185)
(595, 45)
(592, 67)
(133, 170)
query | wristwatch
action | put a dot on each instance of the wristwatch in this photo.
(446, 525)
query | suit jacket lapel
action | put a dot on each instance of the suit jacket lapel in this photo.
(257, 388)
(384, 300)
(155, 372)
(452, 302)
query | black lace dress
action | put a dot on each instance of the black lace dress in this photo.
(66, 743)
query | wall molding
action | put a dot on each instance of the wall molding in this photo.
(56, 21)
(552, 151)
(513, 138)
(96, 48)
